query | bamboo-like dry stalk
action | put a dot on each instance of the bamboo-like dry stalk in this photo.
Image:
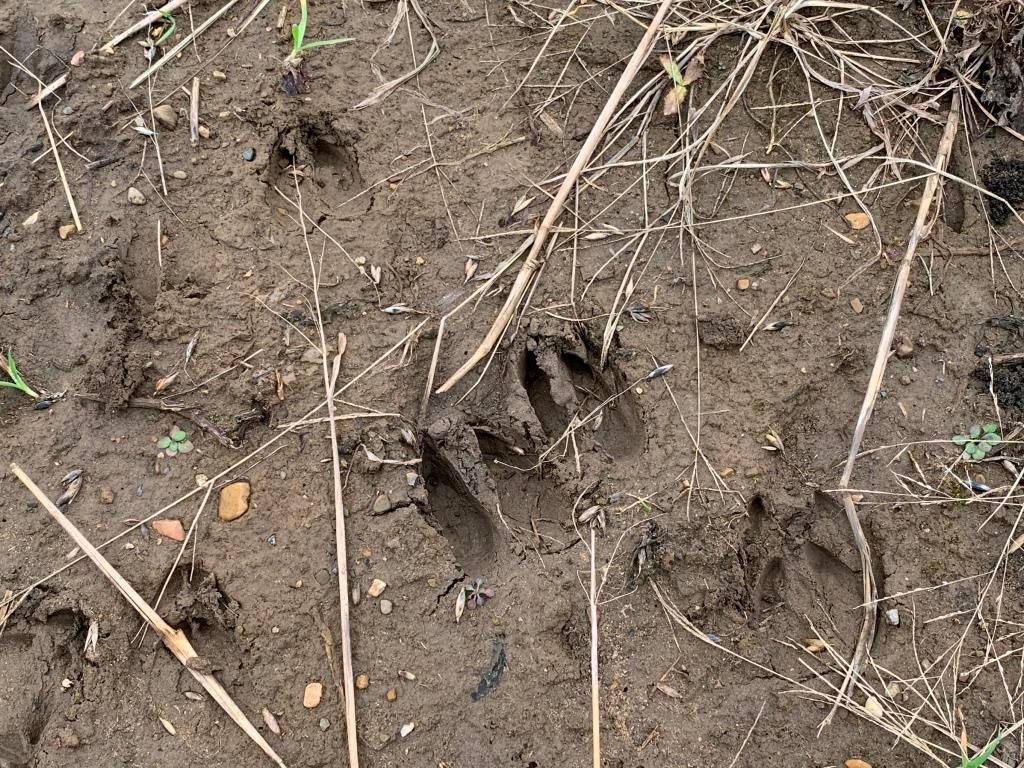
(920, 230)
(174, 639)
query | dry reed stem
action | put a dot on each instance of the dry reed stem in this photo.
(534, 259)
(182, 44)
(920, 230)
(60, 168)
(174, 639)
(330, 373)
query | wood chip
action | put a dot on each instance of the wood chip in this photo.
(312, 695)
(858, 220)
(171, 529)
(234, 501)
(856, 305)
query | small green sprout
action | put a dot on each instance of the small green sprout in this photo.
(299, 44)
(175, 443)
(979, 441)
(16, 382)
(979, 759)
(169, 28)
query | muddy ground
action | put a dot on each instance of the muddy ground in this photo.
(440, 498)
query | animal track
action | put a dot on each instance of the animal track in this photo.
(327, 156)
(803, 559)
(456, 511)
(562, 383)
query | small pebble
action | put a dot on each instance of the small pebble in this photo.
(166, 116)
(386, 606)
(856, 305)
(312, 695)
(324, 723)
(357, 595)
(893, 617)
(381, 505)
(204, 132)
(106, 496)
(179, 175)
(756, 248)
(323, 577)
(218, 75)
(391, 695)
(135, 197)
(64, 231)
(743, 283)
(249, 154)
(272, 539)
(905, 380)
(407, 729)
(362, 682)
(377, 588)
(905, 350)
(411, 478)
(68, 110)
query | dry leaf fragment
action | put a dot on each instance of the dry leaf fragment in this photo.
(164, 383)
(169, 528)
(31, 220)
(669, 691)
(271, 721)
(857, 220)
(873, 707)
(460, 605)
(814, 645)
(551, 123)
(472, 262)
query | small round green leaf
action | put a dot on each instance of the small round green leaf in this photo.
(164, 442)
(185, 446)
(974, 431)
(990, 426)
(178, 435)
(960, 439)
(172, 449)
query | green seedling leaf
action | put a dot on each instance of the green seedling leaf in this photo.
(185, 447)
(671, 69)
(974, 431)
(178, 435)
(979, 759)
(164, 442)
(990, 426)
(325, 43)
(984, 446)
(961, 440)
(172, 449)
(976, 453)
(992, 437)
(169, 30)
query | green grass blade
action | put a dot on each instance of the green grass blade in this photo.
(325, 43)
(979, 759)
